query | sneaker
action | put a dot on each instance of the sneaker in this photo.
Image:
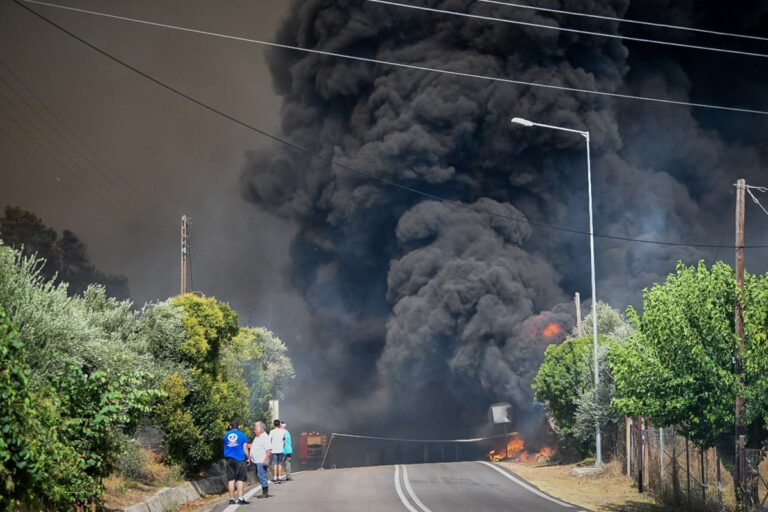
(243, 501)
(263, 495)
(232, 501)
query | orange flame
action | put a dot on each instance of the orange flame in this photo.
(551, 330)
(515, 446)
(516, 450)
(545, 452)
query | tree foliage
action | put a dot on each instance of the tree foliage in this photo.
(564, 384)
(78, 373)
(260, 359)
(64, 258)
(202, 398)
(678, 366)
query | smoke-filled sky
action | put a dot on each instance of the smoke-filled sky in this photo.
(394, 305)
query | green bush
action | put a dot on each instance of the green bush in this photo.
(133, 463)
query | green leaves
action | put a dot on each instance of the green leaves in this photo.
(678, 366)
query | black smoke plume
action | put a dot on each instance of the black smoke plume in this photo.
(425, 311)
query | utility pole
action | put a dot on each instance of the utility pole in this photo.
(739, 322)
(577, 302)
(184, 256)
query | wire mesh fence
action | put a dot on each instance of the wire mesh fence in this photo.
(680, 474)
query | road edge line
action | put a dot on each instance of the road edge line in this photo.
(527, 486)
(410, 491)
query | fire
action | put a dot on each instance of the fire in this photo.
(515, 446)
(516, 450)
(551, 330)
(545, 452)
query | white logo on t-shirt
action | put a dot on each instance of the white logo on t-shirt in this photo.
(232, 438)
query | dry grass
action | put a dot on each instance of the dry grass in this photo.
(120, 492)
(610, 491)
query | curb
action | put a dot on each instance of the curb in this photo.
(188, 492)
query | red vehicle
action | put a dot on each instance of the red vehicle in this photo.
(312, 446)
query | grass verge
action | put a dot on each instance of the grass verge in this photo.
(610, 491)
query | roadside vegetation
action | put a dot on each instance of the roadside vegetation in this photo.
(81, 372)
(670, 363)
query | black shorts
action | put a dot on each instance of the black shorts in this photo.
(236, 470)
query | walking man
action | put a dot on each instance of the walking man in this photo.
(261, 450)
(235, 455)
(287, 451)
(277, 438)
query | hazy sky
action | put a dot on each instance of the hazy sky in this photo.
(184, 159)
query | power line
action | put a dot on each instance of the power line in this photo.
(625, 20)
(137, 194)
(70, 163)
(48, 151)
(754, 199)
(375, 61)
(330, 161)
(52, 174)
(564, 29)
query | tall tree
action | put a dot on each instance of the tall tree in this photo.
(677, 368)
(65, 257)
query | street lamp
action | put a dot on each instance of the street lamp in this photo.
(585, 134)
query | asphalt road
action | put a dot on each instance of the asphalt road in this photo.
(444, 487)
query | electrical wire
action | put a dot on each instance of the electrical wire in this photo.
(42, 165)
(374, 61)
(94, 158)
(625, 20)
(53, 156)
(330, 161)
(70, 163)
(754, 199)
(563, 29)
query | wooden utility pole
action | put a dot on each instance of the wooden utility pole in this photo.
(739, 322)
(184, 256)
(577, 302)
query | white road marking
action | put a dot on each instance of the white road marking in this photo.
(525, 485)
(410, 491)
(246, 495)
(400, 490)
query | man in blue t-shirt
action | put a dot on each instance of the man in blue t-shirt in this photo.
(236, 456)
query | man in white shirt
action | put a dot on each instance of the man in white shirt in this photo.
(261, 450)
(277, 438)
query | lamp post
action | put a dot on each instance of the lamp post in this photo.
(585, 134)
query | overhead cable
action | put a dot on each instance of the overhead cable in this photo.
(94, 158)
(624, 20)
(42, 165)
(339, 165)
(380, 61)
(754, 199)
(566, 29)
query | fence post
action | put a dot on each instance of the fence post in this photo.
(741, 498)
(639, 441)
(703, 478)
(688, 472)
(661, 459)
(628, 436)
(720, 504)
